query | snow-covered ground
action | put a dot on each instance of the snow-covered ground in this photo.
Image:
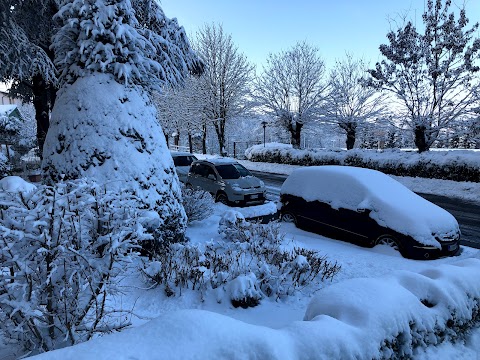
(173, 322)
(152, 341)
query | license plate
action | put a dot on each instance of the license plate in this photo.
(452, 247)
(255, 196)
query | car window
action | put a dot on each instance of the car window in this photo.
(203, 170)
(184, 160)
(196, 169)
(232, 171)
(210, 171)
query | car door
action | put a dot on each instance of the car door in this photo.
(210, 179)
(349, 222)
(195, 177)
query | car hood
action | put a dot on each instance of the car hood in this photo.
(247, 182)
(422, 220)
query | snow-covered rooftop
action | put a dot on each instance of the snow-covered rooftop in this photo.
(6, 110)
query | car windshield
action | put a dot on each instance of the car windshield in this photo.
(232, 171)
(183, 160)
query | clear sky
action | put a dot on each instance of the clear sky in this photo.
(260, 27)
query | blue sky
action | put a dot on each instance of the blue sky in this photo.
(259, 27)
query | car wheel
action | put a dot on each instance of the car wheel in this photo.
(289, 218)
(222, 198)
(388, 240)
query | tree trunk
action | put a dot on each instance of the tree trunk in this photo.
(220, 130)
(42, 109)
(351, 133)
(420, 139)
(190, 143)
(295, 134)
(166, 139)
(204, 138)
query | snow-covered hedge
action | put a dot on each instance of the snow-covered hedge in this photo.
(392, 317)
(455, 165)
(250, 262)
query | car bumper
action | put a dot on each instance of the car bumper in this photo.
(248, 198)
(429, 252)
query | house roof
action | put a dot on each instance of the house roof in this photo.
(6, 110)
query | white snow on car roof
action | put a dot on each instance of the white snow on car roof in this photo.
(180, 153)
(392, 205)
(221, 161)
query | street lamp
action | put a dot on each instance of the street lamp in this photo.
(264, 124)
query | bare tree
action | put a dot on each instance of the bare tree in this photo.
(349, 103)
(180, 109)
(292, 87)
(226, 78)
(431, 74)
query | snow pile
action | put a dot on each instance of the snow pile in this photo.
(256, 211)
(394, 316)
(392, 205)
(403, 311)
(15, 184)
(450, 165)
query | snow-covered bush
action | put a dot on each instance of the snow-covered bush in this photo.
(62, 248)
(404, 311)
(249, 262)
(4, 165)
(449, 165)
(198, 204)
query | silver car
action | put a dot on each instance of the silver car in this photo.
(182, 162)
(227, 180)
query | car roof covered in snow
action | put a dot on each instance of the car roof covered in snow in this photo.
(220, 161)
(391, 204)
(180, 153)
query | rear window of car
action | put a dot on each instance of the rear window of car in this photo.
(232, 171)
(184, 160)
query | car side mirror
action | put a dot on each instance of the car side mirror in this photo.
(211, 177)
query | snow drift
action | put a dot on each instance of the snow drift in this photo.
(391, 316)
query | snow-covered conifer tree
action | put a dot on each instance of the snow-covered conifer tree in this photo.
(434, 74)
(103, 124)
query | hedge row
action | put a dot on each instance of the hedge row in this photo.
(449, 165)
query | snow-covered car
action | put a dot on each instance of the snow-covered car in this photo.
(369, 208)
(227, 180)
(182, 162)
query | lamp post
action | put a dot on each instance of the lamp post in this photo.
(264, 124)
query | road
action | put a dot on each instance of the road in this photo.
(466, 213)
